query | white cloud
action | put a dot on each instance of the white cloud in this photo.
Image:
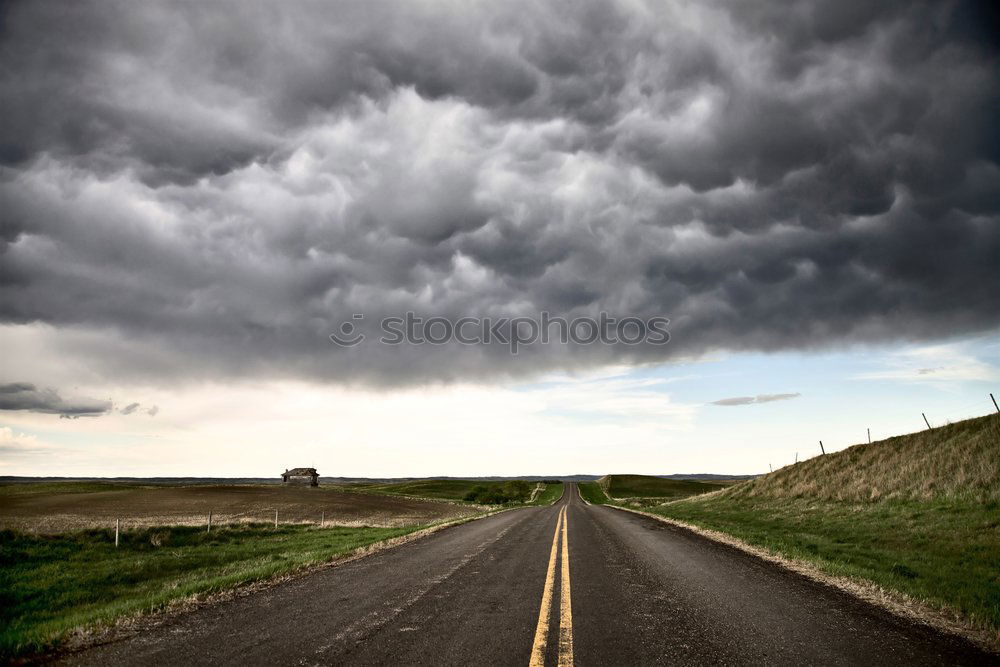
(942, 365)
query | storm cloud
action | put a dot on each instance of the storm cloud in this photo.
(28, 397)
(203, 189)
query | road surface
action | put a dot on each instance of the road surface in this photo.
(565, 584)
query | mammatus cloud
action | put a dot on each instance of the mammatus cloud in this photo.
(28, 397)
(760, 398)
(184, 194)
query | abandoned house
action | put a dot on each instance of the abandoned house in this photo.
(307, 476)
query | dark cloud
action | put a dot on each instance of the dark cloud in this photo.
(749, 400)
(129, 409)
(28, 397)
(216, 187)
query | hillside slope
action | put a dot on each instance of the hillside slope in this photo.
(648, 486)
(959, 461)
(917, 514)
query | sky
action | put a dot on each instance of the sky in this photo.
(194, 197)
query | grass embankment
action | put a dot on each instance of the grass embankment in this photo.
(550, 494)
(592, 493)
(917, 513)
(52, 584)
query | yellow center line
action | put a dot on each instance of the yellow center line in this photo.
(542, 629)
(565, 603)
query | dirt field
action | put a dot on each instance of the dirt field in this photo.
(51, 509)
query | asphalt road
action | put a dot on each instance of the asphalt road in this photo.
(565, 584)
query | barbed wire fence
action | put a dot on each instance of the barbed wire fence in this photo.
(215, 520)
(927, 419)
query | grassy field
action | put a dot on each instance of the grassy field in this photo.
(917, 513)
(647, 486)
(50, 584)
(443, 489)
(592, 493)
(447, 489)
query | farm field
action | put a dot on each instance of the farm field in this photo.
(454, 490)
(441, 489)
(70, 506)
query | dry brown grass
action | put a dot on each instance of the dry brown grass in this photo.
(959, 461)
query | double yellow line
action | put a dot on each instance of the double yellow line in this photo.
(565, 603)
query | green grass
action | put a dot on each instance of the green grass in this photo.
(441, 489)
(592, 493)
(51, 584)
(647, 486)
(447, 489)
(946, 553)
(550, 494)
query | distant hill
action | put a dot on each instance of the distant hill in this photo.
(709, 477)
(650, 486)
(446, 489)
(959, 461)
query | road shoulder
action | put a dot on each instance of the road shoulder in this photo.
(894, 602)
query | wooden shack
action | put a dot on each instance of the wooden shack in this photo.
(303, 476)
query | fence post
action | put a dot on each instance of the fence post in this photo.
(926, 422)
(821, 448)
(117, 526)
(771, 467)
(995, 402)
(796, 457)
(322, 520)
(275, 518)
(869, 435)
(209, 522)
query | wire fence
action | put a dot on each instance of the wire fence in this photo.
(928, 419)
